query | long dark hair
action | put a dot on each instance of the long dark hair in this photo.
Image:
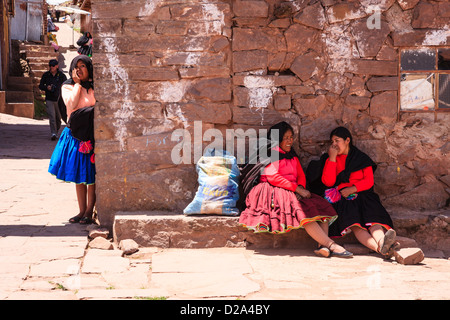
(275, 137)
(279, 129)
(343, 133)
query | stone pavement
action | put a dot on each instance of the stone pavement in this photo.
(42, 256)
(65, 37)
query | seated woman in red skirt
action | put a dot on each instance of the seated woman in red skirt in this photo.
(280, 203)
(350, 172)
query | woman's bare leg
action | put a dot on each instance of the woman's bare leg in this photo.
(317, 233)
(365, 238)
(91, 198)
(81, 190)
(324, 226)
(377, 233)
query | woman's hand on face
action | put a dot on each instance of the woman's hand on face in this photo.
(333, 152)
(75, 77)
(303, 192)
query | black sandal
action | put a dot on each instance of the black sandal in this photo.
(86, 220)
(75, 219)
(345, 254)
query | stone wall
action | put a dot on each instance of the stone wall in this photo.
(160, 65)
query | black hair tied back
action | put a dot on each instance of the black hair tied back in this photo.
(343, 133)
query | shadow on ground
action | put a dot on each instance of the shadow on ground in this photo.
(30, 141)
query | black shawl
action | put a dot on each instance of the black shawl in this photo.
(81, 123)
(84, 39)
(356, 160)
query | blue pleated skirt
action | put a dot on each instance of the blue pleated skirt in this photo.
(70, 165)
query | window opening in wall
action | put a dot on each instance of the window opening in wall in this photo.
(444, 59)
(424, 79)
(417, 92)
(444, 79)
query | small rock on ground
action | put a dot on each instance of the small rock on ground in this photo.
(128, 246)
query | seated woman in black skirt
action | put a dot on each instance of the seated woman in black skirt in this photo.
(350, 172)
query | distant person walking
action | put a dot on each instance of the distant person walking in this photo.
(85, 43)
(51, 83)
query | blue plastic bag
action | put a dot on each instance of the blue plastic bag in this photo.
(218, 179)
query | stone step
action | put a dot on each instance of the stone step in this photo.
(24, 86)
(39, 66)
(19, 80)
(19, 96)
(36, 47)
(38, 54)
(41, 60)
(37, 73)
(170, 230)
(25, 110)
(175, 230)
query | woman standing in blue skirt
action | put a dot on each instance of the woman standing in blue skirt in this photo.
(73, 157)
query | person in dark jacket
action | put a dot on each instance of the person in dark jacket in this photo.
(85, 43)
(51, 83)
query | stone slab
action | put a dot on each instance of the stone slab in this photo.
(208, 273)
(191, 261)
(169, 230)
(55, 268)
(103, 294)
(43, 295)
(206, 285)
(172, 230)
(98, 261)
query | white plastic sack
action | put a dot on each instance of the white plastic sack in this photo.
(218, 179)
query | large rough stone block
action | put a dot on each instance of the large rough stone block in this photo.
(305, 66)
(345, 11)
(312, 16)
(250, 60)
(268, 39)
(428, 196)
(385, 106)
(169, 230)
(300, 38)
(216, 89)
(409, 256)
(252, 9)
(377, 84)
(374, 67)
(369, 41)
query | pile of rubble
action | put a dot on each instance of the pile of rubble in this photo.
(99, 239)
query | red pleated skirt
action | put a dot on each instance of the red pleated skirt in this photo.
(277, 210)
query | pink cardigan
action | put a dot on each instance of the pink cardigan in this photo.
(285, 173)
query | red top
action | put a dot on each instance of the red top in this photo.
(284, 173)
(361, 179)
